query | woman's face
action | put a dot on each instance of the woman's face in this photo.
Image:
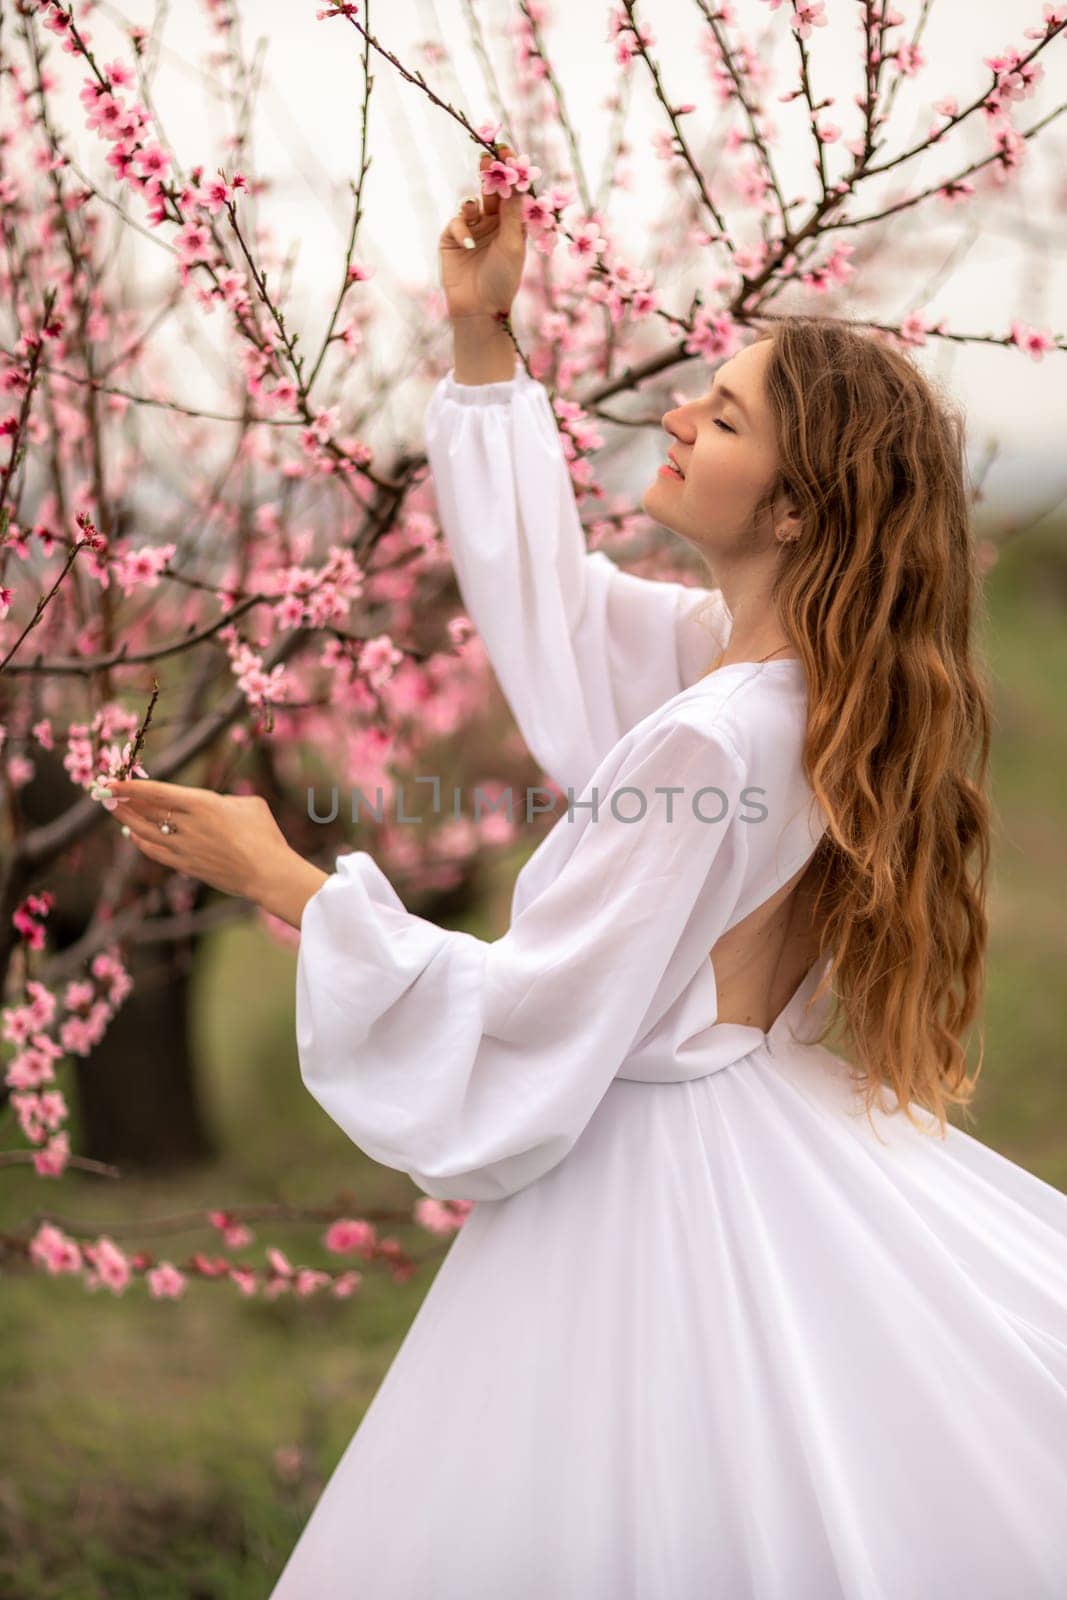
(724, 444)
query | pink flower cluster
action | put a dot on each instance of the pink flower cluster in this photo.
(502, 176)
(259, 686)
(836, 269)
(104, 1265)
(1014, 80)
(628, 37)
(314, 597)
(715, 335)
(31, 1027)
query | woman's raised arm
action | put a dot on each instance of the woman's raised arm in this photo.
(582, 650)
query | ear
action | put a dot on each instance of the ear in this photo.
(787, 522)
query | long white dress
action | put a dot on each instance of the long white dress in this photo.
(704, 1334)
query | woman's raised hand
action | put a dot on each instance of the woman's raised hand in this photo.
(483, 279)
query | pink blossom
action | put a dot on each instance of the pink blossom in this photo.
(713, 336)
(1034, 341)
(346, 1284)
(828, 132)
(441, 1216)
(500, 177)
(1011, 149)
(213, 195)
(54, 1251)
(31, 1068)
(112, 1268)
(192, 241)
(378, 660)
(141, 569)
(77, 994)
(1053, 15)
(117, 72)
(751, 181)
(836, 269)
(1015, 80)
(587, 242)
(57, 22)
(153, 161)
(909, 59)
(914, 328)
(165, 1282)
(527, 172)
(308, 1280)
(279, 1262)
(51, 1162)
(347, 1236)
(105, 113)
(807, 16)
(955, 190)
(748, 259)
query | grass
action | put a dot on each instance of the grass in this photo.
(141, 1438)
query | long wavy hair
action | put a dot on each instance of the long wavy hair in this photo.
(880, 596)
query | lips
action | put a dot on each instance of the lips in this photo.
(675, 465)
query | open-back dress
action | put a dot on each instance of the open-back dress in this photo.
(707, 1332)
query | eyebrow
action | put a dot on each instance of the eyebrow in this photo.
(728, 394)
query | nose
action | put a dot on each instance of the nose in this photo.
(672, 415)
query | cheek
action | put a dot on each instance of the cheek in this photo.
(724, 472)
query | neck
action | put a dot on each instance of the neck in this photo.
(754, 631)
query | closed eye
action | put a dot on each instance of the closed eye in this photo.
(719, 423)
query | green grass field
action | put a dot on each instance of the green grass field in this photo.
(140, 1438)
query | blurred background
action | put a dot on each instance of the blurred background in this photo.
(156, 1449)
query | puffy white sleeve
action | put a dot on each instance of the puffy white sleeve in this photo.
(474, 1065)
(582, 650)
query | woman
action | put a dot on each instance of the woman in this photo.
(730, 1316)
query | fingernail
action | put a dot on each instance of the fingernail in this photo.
(468, 244)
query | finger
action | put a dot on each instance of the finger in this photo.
(490, 202)
(146, 824)
(512, 220)
(176, 796)
(150, 841)
(459, 232)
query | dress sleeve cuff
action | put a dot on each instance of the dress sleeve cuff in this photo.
(482, 394)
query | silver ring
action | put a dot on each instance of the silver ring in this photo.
(167, 826)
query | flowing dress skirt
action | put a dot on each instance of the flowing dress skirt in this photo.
(736, 1346)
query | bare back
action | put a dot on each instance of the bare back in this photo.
(760, 962)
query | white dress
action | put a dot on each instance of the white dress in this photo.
(703, 1335)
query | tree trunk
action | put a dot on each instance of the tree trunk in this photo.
(138, 1101)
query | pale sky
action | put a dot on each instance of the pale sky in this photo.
(307, 132)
